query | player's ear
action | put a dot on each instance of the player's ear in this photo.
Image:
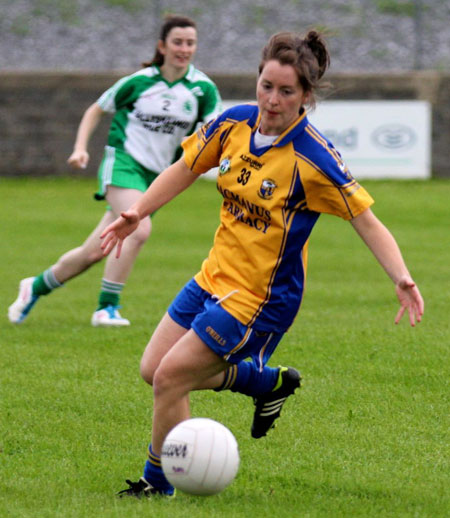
(161, 46)
(306, 98)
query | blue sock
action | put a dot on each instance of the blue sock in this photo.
(154, 475)
(246, 378)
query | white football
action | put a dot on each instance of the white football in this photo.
(200, 456)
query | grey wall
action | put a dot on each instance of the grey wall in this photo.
(40, 112)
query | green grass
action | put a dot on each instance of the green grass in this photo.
(366, 436)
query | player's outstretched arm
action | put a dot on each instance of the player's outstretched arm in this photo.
(80, 157)
(171, 182)
(384, 247)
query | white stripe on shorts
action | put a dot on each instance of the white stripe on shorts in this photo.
(108, 167)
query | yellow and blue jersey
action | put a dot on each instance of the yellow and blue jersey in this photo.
(272, 197)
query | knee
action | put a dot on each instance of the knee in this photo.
(148, 366)
(147, 373)
(162, 381)
(141, 234)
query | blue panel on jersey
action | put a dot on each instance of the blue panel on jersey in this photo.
(288, 283)
(239, 113)
(311, 144)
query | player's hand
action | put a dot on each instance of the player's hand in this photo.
(410, 299)
(115, 233)
(78, 159)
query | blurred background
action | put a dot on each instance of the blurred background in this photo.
(364, 35)
(58, 56)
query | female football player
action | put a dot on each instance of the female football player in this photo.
(154, 109)
(277, 174)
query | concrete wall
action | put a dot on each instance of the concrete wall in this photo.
(40, 112)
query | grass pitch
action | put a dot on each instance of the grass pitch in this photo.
(366, 436)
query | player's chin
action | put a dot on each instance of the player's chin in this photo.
(183, 62)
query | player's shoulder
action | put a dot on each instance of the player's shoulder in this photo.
(144, 74)
(311, 145)
(311, 142)
(194, 75)
(241, 112)
(231, 117)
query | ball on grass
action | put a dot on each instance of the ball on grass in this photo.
(200, 456)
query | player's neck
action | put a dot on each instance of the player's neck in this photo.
(171, 73)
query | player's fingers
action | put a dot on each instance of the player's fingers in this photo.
(76, 161)
(419, 312)
(418, 305)
(412, 314)
(119, 248)
(105, 239)
(400, 314)
(108, 244)
(107, 233)
(106, 249)
(421, 305)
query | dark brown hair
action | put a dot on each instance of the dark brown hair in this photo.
(170, 22)
(308, 55)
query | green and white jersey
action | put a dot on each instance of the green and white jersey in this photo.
(152, 116)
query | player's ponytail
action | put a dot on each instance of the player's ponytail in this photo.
(319, 48)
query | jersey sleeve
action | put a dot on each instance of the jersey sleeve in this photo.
(330, 188)
(203, 148)
(335, 192)
(120, 94)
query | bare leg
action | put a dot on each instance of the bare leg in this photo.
(69, 265)
(165, 336)
(79, 259)
(118, 270)
(187, 364)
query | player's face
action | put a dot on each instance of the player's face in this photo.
(280, 97)
(179, 47)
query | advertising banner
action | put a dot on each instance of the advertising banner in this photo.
(377, 139)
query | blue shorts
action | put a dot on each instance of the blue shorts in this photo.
(195, 308)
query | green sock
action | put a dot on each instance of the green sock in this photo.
(45, 283)
(109, 294)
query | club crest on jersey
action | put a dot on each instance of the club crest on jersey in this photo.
(267, 188)
(187, 107)
(224, 166)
